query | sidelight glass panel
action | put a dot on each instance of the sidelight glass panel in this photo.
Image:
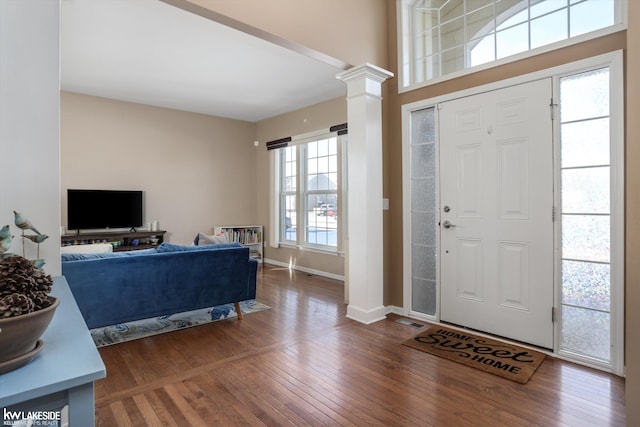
(585, 143)
(586, 190)
(586, 332)
(423, 294)
(421, 190)
(585, 96)
(424, 228)
(586, 220)
(423, 212)
(586, 284)
(585, 237)
(423, 159)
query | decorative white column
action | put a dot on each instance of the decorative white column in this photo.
(364, 201)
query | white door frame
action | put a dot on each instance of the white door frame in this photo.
(614, 60)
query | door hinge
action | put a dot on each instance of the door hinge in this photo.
(553, 213)
(553, 315)
(552, 109)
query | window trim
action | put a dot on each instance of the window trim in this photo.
(277, 240)
(404, 48)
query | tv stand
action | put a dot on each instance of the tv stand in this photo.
(121, 240)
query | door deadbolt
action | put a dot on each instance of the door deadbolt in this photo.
(446, 208)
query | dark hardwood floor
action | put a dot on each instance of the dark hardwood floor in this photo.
(303, 363)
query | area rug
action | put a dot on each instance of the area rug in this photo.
(158, 325)
(506, 360)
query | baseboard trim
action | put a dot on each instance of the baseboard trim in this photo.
(394, 309)
(366, 316)
(305, 269)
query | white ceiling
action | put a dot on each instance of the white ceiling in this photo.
(151, 52)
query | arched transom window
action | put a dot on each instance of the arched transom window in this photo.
(443, 38)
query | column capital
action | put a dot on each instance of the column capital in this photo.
(364, 79)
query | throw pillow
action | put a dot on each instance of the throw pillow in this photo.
(203, 239)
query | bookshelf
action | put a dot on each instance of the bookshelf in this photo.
(251, 236)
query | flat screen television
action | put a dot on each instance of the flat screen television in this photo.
(101, 209)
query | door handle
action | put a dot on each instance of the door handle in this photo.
(447, 224)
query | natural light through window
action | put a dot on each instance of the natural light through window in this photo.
(586, 214)
(442, 37)
(310, 183)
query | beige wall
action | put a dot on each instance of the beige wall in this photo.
(317, 117)
(196, 171)
(353, 31)
(632, 276)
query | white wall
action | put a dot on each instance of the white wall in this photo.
(29, 122)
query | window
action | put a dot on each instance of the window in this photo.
(585, 170)
(310, 197)
(440, 38)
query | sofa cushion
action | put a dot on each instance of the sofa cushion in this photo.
(171, 247)
(93, 248)
(80, 257)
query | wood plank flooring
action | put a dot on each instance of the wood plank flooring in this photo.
(303, 363)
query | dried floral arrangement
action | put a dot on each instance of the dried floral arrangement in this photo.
(24, 286)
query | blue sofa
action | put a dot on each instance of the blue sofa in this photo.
(113, 288)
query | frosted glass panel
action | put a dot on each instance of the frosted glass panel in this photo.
(586, 237)
(585, 143)
(424, 296)
(586, 332)
(585, 96)
(423, 211)
(423, 228)
(423, 127)
(586, 284)
(423, 160)
(422, 191)
(586, 190)
(423, 260)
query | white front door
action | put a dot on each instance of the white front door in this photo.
(496, 175)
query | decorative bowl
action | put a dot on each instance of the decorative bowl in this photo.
(19, 335)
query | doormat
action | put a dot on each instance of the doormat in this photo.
(506, 360)
(129, 331)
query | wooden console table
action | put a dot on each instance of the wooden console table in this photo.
(124, 239)
(63, 372)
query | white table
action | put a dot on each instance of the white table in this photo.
(63, 372)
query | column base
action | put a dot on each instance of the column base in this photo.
(366, 316)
